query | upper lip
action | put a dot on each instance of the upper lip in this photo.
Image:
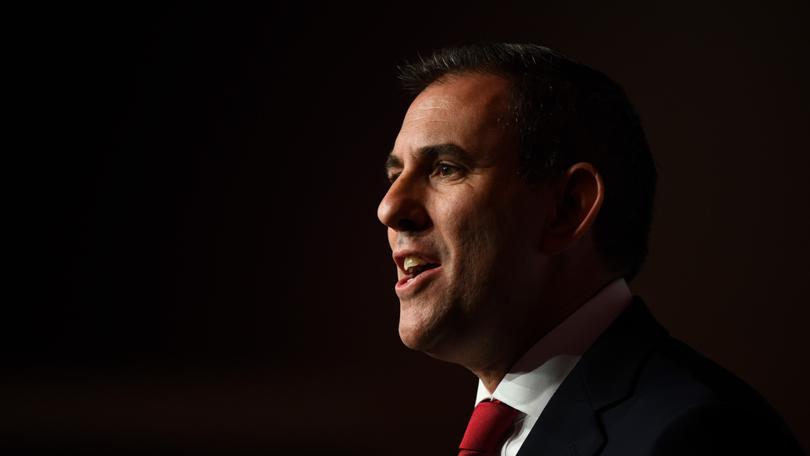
(400, 255)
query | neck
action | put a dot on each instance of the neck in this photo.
(491, 379)
(535, 327)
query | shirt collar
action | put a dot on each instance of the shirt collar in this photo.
(528, 386)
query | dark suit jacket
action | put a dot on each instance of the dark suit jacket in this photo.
(638, 391)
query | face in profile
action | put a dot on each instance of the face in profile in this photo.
(463, 225)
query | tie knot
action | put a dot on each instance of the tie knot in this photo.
(489, 426)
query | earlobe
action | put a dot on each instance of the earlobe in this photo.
(576, 201)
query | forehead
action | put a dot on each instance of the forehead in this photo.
(468, 110)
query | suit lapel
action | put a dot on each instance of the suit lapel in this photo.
(571, 422)
(568, 424)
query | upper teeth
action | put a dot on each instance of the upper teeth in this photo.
(412, 262)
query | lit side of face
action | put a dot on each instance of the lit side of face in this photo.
(463, 225)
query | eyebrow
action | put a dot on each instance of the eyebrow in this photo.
(431, 152)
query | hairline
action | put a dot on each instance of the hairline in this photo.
(514, 99)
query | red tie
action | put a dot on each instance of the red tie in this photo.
(489, 426)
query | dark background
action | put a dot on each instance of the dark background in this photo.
(195, 261)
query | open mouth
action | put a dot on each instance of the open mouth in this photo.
(414, 271)
(414, 276)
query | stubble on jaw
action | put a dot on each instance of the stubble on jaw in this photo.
(454, 332)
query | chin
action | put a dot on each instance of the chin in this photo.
(413, 336)
(430, 341)
(418, 331)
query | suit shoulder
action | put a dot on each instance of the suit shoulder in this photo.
(721, 428)
(676, 372)
(684, 403)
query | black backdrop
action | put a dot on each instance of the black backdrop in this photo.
(195, 261)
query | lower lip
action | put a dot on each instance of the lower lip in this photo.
(406, 287)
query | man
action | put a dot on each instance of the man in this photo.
(519, 207)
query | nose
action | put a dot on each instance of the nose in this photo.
(403, 206)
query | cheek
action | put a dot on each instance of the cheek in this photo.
(473, 234)
(488, 237)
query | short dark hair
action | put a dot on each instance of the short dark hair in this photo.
(565, 112)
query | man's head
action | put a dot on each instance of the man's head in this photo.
(504, 160)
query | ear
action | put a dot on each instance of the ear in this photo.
(575, 202)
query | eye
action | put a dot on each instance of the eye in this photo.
(445, 170)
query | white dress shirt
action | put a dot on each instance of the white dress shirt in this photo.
(535, 377)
